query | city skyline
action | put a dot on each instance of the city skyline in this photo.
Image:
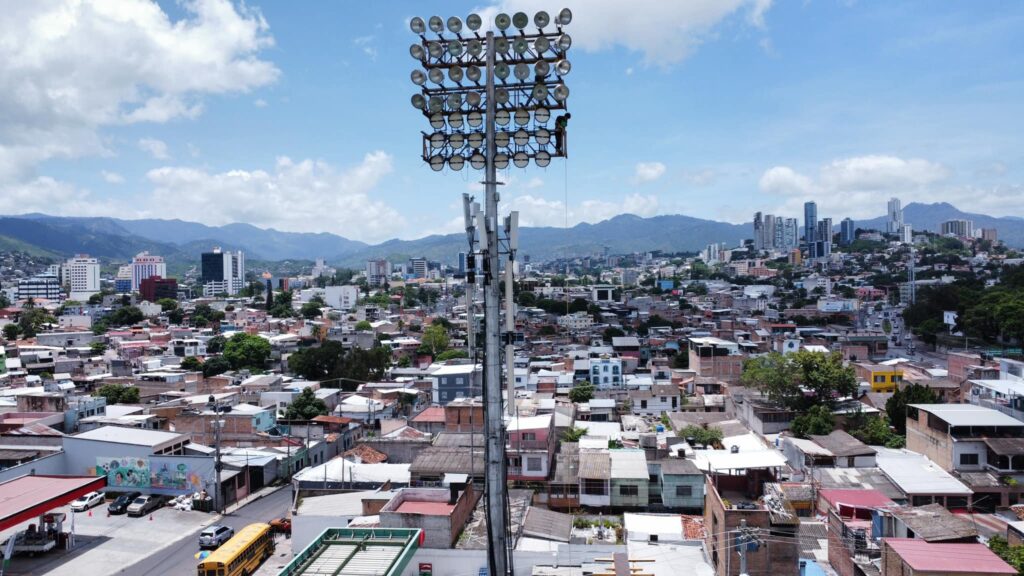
(299, 120)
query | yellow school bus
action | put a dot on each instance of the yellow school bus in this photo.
(242, 554)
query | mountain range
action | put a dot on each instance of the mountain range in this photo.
(181, 242)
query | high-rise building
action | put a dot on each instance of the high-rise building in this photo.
(377, 272)
(418, 267)
(895, 223)
(791, 233)
(758, 231)
(959, 228)
(847, 232)
(461, 272)
(222, 272)
(906, 234)
(123, 280)
(44, 286)
(154, 288)
(810, 221)
(823, 239)
(989, 234)
(144, 265)
(82, 275)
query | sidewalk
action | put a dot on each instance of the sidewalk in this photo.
(231, 508)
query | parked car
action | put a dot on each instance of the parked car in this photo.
(143, 505)
(281, 525)
(214, 536)
(120, 504)
(86, 501)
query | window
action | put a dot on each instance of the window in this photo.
(675, 401)
(663, 399)
(529, 436)
(968, 459)
(629, 490)
(684, 491)
(879, 379)
(534, 464)
(594, 487)
(460, 381)
(643, 404)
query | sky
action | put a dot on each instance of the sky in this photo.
(295, 115)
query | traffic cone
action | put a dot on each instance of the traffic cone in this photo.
(90, 512)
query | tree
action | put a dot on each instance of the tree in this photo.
(98, 347)
(681, 360)
(802, 379)
(612, 332)
(125, 316)
(167, 304)
(176, 316)
(435, 337)
(574, 434)
(305, 406)
(330, 361)
(896, 405)
(1013, 555)
(247, 351)
(192, 364)
(96, 299)
(547, 330)
(817, 421)
(451, 355)
(581, 392)
(216, 365)
(118, 394)
(311, 310)
(876, 432)
(363, 326)
(710, 436)
(11, 332)
(216, 344)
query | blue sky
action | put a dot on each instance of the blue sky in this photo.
(295, 115)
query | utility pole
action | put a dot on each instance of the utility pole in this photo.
(217, 467)
(745, 537)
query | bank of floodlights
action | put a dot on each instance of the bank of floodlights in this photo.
(529, 90)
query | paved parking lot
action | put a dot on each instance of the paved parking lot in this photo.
(106, 545)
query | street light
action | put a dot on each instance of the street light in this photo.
(489, 127)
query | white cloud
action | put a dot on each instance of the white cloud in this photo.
(259, 103)
(534, 183)
(665, 32)
(155, 148)
(701, 178)
(112, 177)
(307, 195)
(50, 196)
(73, 67)
(649, 171)
(539, 211)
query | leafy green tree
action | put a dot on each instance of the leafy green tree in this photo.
(125, 316)
(876, 432)
(11, 332)
(96, 299)
(817, 421)
(98, 347)
(363, 326)
(305, 406)
(311, 310)
(435, 337)
(612, 332)
(775, 376)
(176, 316)
(681, 361)
(1012, 555)
(547, 330)
(192, 364)
(32, 319)
(451, 355)
(581, 392)
(118, 394)
(574, 434)
(247, 351)
(167, 304)
(215, 365)
(216, 344)
(330, 361)
(802, 379)
(4, 300)
(709, 436)
(896, 405)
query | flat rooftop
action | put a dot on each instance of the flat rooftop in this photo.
(136, 436)
(425, 508)
(968, 415)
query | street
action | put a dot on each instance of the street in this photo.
(180, 558)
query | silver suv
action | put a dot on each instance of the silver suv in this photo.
(215, 535)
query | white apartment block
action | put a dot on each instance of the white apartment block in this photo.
(341, 297)
(576, 322)
(606, 372)
(144, 266)
(82, 275)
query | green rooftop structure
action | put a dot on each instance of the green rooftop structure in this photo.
(356, 552)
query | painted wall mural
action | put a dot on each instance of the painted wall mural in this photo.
(155, 474)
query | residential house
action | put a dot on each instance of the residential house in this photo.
(606, 372)
(883, 378)
(455, 381)
(728, 506)
(912, 557)
(595, 478)
(530, 446)
(680, 482)
(629, 479)
(660, 398)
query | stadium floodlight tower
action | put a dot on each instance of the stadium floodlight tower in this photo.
(489, 97)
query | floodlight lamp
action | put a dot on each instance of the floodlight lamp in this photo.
(418, 77)
(501, 96)
(542, 68)
(454, 25)
(417, 25)
(437, 120)
(501, 161)
(561, 92)
(520, 159)
(520, 46)
(501, 45)
(474, 22)
(474, 48)
(454, 101)
(522, 117)
(541, 19)
(435, 104)
(521, 137)
(455, 48)
(543, 136)
(475, 118)
(541, 115)
(502, 21)
(520, 20)
(541, 45)
(501, 139)
(473, 73)
(437, 140)
(501, 70)
(564, 42)
(455, 120)
(418, 101)
(457, 140)
(564, 17)
(416, 51)
(475, 139)
(437, 162)
(542, 158)
(539, 92)
(434, 49)
(501, 117)
(473, 99)
(563, 67)
(436, 76)
(521, 71)
(477, 161)
(436, 24)
(455, 73)
(456, 163)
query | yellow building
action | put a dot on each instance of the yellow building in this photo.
(881, 377)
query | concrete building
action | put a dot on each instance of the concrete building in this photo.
(144, 265)
(82, 275)
(222, 272)
(450, 382)
(731, 503)
(377, 272)
(913, 557)
(606, 372)
(595, 468)
(716, 358)
(530, 446)
(155, 287)
(40, 287)
(810, 221)
(894, 224)
(441, 513)
(680, 484)
(959, 228)
(847, 232)
(341, 297)
(629, 479)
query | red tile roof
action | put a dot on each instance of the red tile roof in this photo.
(856, 498)
(937, 557)
(366, 454)
(333, 419)
(432, 414)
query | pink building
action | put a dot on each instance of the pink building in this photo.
(530, 446)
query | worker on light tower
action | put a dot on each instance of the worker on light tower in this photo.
(561, 123)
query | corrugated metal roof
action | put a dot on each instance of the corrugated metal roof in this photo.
(595, 465)
(628, 464)
(933, 557)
